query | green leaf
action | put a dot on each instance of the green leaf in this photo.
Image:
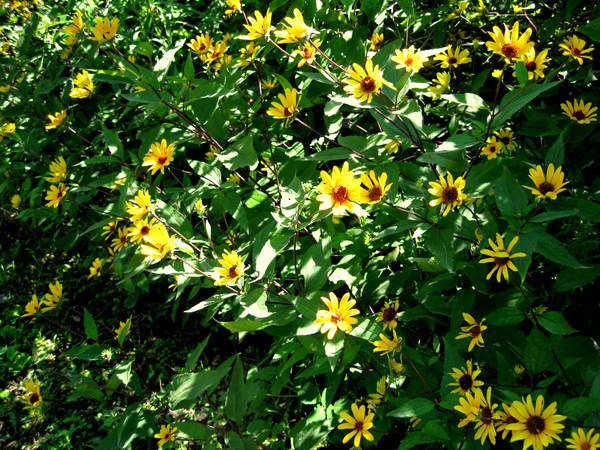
(467, 100)
(115, 146)
(555, 251)
(433, 428)
(235, 400)
(591, 29)
(555, 323)
(333, 349)
(240, 154)
(505, 316)
(538, 352)
(570, 279)
(123, 371)
(195, 355)
(510, 196)
(91, 331)
(551, 215)
(123, 334)
(399, 227)
(332, 154)
(522, 75)
(448, 159)
(163, 64)
(458, 142)
(315, 264)
(194, 430)
(87, 352)
(188, 70)
(244, 325)
(451, 360)
(413, 407)
(440, 243)
(269, 252)
(579, 408)
(233, 205)
(207, 172)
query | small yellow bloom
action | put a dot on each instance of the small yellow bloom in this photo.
(359, 424)
(548, 186)
(76, 26)
(234, 5)
(339, 190)
(8, 128)
(441, 84)
(507, 138)
(34, 397)
(410, 59)
(386, 345)
(338, 316)
(121, 327)
(397, 366)
(472, 331)
(201, 44)
(581, 441)
(143, 201)
(56, 194)
(470, 406)
(258, 27)
(58, 169)
(166, 434)
(582, 113)
(376, 42)
(121, 241)
(535, 65)
(389, 314)
(307, 52)
(210, 155)
(234, 178)
(174, 285)
(509, 44)
(232, 268)
(84, 86)
(199, 206)
(376, 399)
(393, 146)
(450, 193)
(160, 243)
(231, 238)
(485, 425)
(70, 41)
(573, 46)
(160, 156)
(5, 88)
(296, 31)
(519, 369)
(105, 29)
(465, 379)
(53, 298)
(96, 268)
(56, 119)
(32, 307)
(138, 89)
(376, 187)
(450, 58)
(493, 148)
(363, 83)
(288, 106)
(15, 200)
(501, 257)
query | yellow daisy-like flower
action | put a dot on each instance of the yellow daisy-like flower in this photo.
(509, 44)
(53, 298)
(389, 314)
(160, 243)
(160, 156)
(56, 194)
(296, 31)
(8, 128)
(549, 185)
(84, 86)
(505, 419)
(536, 427)
(140, 229)
(376, 398)
(210, 155)
(472, 331)
(258, 27)
(33, 399)
(15, 201)
(470, 407)
(76, 26)
(581, 441)
(231, 238)
(339, 190)
(519, 369)
(582, 113)
(109, 228)
(507, 138)
(215, 52)
(465, 379)
(56, 119)
(95, 268)
(363, 83)
(376, 187)
(70, 41)
(441, 84)
(121, 241)
(232, 269)
(338, 316)
(32, 307)
(453, 58)
(121, 327)
(58, 169)
(234, 6)
(410, 59)
(393, 146)
(450, 193)
(201, 44)
(493, 148)
(105, 29)
(307, 52)
(397, 366)
(386, 345)
(573, 46)
(359, 424)
(535, 65)
(166, 434)
(485, 424)
(501, 257)
(174, 285)
(462, 6)
(288, 106)
(199, 206)
(234, 178)
(376, 42)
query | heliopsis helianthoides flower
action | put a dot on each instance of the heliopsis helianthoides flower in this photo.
(441, 84)
(33, 399)
(375, 399)
(159, 243)
(453, 58)
(465, 379)
(509, 44)
(160, 156)
(450, 193)
(84, 85)
(535, 65)
(504, 419)
(56, 194)
(95, 268)
(15, 201)
(359, 424)
(109, 228)
(121, 327)
(231, 238)
(338, 315)
(376, 187)
(470, 407)
(501, 257)
(339, 190)
(581, 441)
(307, 52)
(582, 113)
(386, 345)
(143, 205)
(140, 229)
(389, 314)
(234, 178)
(535, 426)
(234, 6)
(56, 119)
(121, 241)
(410, 59)
(210, 155)
(232, 268)
(457, 12)
(493, 148)
(53, 297)
(507, 138)
(215, 52)
(485, 425)
(296, 31)
(32, 307)
(270, 82)
(174, 285)
(472, 331)
(76, 26)
(376, 42)
(548, 185)
(201, 44)
(58, 169)
(105, 29)
(166, 434)
(70, 41)
(397, 366)
(363, 83)
(573, 46)
(519, 369)
(288, 106)
(258, 27)
(393, 146)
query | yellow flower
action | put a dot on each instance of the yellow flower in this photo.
(414, 421)
(386, 345)
(579, 112)
(258, 27)
(441, 84)
(166, 434)
(307, 52)
(269, 83)
(232, 269)
(159, 243)
(160, 156)
(505, 419)
(470, 407)
(214, 53)
(234, 5)
(56, 119)
(573, 46)
(497, 73)
(288, 106)
(393, 146)
(549, 185)
(389, 314)
(53, 297)
(381, 388)
(32, 307)
(485, 422)
(199, 206)
(15, 200)
(535, 65)
(85, 86)
(144, 204)
(359, 424)
(410, 59)
(376, 42)
(450, 193)
(121, 241)
(76, 26)
(536, 427)
(105, 29)
(465, 379)
(8, 128)
(519, 369)
(109, 229)
(338, 316)
(363, 83)
(210, 155)
(296, 31)
(120, 328)
(138, 89)
(376, 187)
(339, 190)
(581, 441)
(66, 53)
(140, 230)
(34, 397)
(234, 178)
(56, 194)
(462, 6)
(507, 138)
(96, 268)
(493, 148)
(70, 41)
(450, 58)
(472, 331)
(174, 285)
(5, 88)
(231, 238)
(509, 44)
(397, 366)
(201, 44)
(58, 169)
(501, 257)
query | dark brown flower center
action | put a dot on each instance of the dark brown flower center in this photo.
(510, 50)
(452, 60)
(493, 149)
(375, 193)
(510, 419)
(202, 47)
(339, 194)
(465, 382)
(475, 331)
(161, 160)
(585, 446)
(389, 314)
(232, 272)
(308, 54)
(335, 317)
(287, 111)
(501, 260)
(34, 398)
(546, 187)
(535, 425)
(145, 230)
(505, 140)
(579, 115)
(531, 66)
(576, 52)
(358, 426)
(368, 85)
(59, 195)
(409, 61)
(486, 415)
(450, 194)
